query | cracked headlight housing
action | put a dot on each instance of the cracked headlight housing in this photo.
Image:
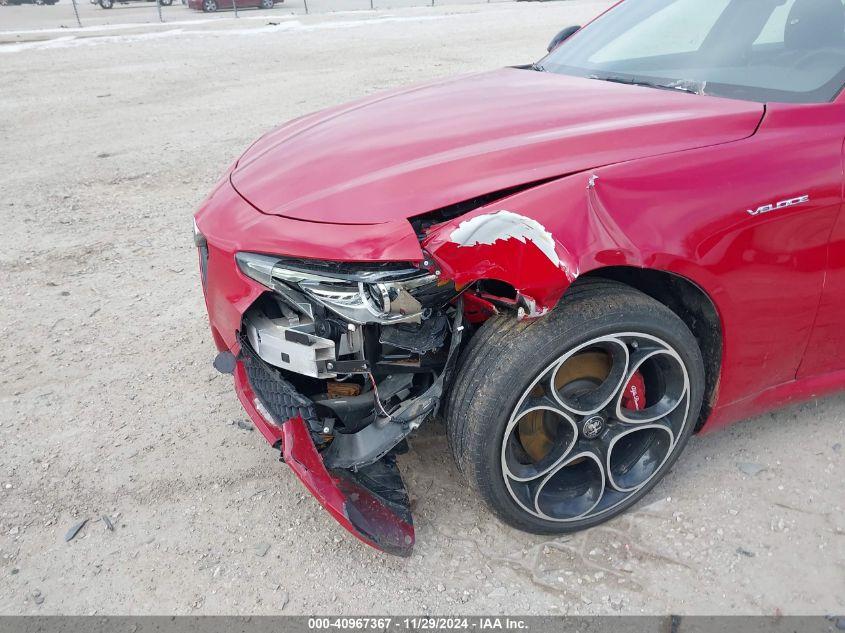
(359, 293)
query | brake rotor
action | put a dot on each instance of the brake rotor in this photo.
(580, 373)
(577, 375)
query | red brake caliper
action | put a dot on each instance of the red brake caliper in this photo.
(633, 398)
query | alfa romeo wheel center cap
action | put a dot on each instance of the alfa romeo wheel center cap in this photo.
(592, 427)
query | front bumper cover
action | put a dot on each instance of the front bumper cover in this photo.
(371, 503)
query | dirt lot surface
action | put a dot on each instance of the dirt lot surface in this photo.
(110, 405)
(26, 22)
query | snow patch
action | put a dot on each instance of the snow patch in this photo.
(505, 225)
(140, 25)
(288, 26)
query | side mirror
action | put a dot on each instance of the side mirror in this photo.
(561, 37)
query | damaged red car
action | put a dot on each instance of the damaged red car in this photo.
(576, 264)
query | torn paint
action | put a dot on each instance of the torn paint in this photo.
(505, 225)
(504, 246)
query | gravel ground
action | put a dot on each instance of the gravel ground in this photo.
(23, 22)
(110, 405)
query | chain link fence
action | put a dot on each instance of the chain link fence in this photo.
(22, 17)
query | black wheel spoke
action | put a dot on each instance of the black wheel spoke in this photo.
(633, 454)
(606, 362)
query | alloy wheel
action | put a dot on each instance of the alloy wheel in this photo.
(595, 426)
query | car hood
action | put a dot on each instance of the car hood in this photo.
(411, 151)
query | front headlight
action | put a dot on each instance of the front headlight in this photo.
(365, 293)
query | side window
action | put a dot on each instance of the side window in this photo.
(773, 32)
(680, 27)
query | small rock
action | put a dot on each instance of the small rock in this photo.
(837, 448)
(751, 469)
(441, 588)
(37, 597)
(15, 571)
(657, 506)
(261, 549)
(109, 524)
(744, 552)
(74, 530)
(283, 600)
(242, 424)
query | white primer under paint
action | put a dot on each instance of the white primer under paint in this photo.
(504, 225)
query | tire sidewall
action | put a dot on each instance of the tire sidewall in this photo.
(548, 346)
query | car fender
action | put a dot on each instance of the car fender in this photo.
(690, 214)
(538, 241)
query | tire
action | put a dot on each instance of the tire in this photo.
(209, 6)
(267, 4)
(166, 3)
(106, 4)
(520, 415)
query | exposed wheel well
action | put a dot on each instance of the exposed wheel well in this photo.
(692, 305)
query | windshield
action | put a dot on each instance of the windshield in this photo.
(759, 50)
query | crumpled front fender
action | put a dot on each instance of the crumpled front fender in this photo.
(506, 246)
(539, 241)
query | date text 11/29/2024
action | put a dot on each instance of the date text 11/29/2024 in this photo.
(419, 623)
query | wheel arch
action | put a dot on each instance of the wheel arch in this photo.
(691, 304)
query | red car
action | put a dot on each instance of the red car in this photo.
(577, 263)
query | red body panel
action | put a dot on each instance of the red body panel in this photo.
(333, 493)
(409, 152)
(642, 178)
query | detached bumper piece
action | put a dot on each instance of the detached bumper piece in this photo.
(371, 502)
(378, 505)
